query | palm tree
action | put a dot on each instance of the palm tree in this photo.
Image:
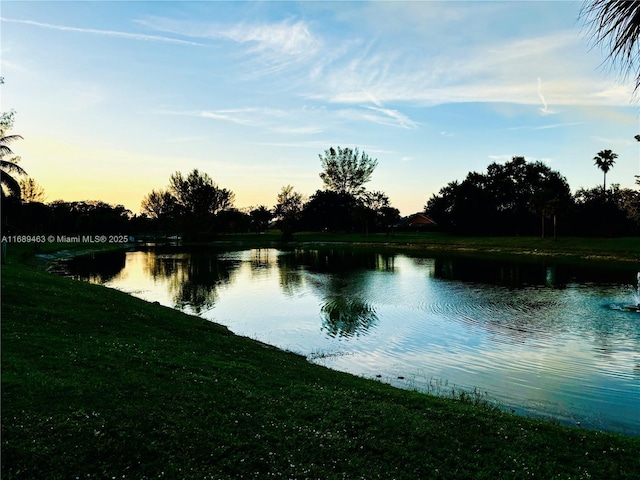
(616, 24)
(9, 165)
(604, 160)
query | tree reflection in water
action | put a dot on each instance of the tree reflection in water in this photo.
(193, 277)
(347, 317)
(95, 268)
(342, 279)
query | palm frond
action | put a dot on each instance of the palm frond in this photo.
(616, 25)
(7, 139)
(10, 184)
(11, 166)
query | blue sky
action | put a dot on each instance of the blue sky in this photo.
(113, 97)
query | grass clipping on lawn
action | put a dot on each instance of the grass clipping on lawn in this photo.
(98, 384)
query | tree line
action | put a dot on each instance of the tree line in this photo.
(514, 198)
(197, 207)
(529, 198)
(506, 199)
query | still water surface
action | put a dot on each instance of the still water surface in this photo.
(543, 340)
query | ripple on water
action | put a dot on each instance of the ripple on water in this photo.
(568, 352)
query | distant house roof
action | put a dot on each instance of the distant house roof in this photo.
(416, 220)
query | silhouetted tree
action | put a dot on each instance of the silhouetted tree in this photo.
(604, 160)
(9, 165)
(31, 191)
(287, 211)
(346, 170)
(328, 210)
(378, 213)
(595, 215)
(161, 207)
(198, 195)
(233, 220)
(260, 218)
(89, 216)
(504, 200)
(198, 200)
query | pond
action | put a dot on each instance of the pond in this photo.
(538, 338)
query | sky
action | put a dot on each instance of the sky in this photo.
(113, 97)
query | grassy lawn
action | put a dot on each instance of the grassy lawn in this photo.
(98, 384)
(621, 248)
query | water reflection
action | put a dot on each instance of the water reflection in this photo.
(519, 274)
(336, 260)
(346, 317)
(95, 268)
(193, 278)
(546, 338)
(340, 277)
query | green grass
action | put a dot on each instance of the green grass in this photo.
(98, 384)
(624, 249)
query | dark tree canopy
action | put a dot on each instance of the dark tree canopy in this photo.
(617, 214)
(260, 218)
(327, 210)
(507, 199)
(287, 211)
(159, 204)
(346, 170)
(190, 204)
(198, 195)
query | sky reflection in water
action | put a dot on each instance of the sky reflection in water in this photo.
(541, 339)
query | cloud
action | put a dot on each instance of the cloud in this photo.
(558, 125)
(109, 33)
(270, 119)
(285, 37)
(241, 116)
(500, 71)
(397, 118)
(545, 127)
(545, 108)
(300, 130)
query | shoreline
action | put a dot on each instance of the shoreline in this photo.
(97, 383)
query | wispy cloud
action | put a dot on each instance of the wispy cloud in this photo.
(269, 119)
(484, 72)
(545, 127)
(558, 125)
(397, 118)
(394, 117)
(109, 33)
(545, 107)
(253, 116)
(285, 37)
